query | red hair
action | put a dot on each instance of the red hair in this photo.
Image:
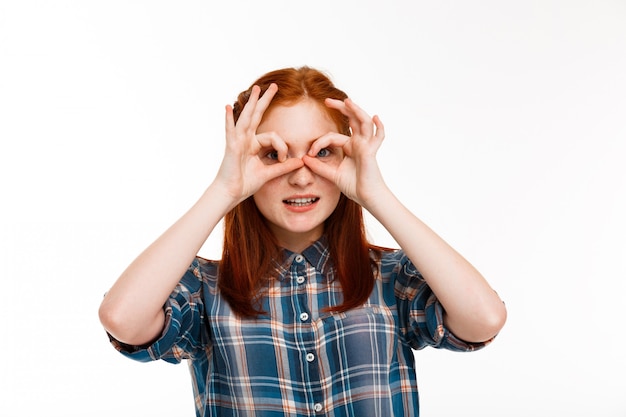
(249, 245)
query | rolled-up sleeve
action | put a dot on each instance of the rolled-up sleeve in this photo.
(184, 332)
(421, 314)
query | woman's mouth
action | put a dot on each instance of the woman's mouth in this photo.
(301, 202)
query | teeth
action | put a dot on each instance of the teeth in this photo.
(301, 201)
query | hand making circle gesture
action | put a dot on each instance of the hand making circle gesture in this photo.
(358, 175)
(242, 171)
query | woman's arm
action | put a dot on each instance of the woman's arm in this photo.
(473, 311)
(132, 310)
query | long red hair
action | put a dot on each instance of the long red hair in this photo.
(249, 245)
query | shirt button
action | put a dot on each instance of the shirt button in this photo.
(310, 357)
(299, 258)
(318, 407)
(300, 280)
(304, 317)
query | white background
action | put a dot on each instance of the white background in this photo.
(505, 129)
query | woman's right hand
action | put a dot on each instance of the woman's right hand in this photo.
(243, 170)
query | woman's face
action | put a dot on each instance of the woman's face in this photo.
(297, 204)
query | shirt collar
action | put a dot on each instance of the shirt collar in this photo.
(317, 254)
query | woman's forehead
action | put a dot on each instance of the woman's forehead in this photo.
(300, 123)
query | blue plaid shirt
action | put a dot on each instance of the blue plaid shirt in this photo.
(297, 360)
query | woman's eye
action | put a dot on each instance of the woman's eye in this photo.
(323, 152)
(273, 155)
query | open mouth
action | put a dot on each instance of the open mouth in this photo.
(301, 202)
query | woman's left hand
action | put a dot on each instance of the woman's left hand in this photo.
(357, 175)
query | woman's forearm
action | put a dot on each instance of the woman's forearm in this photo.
(132, 310)
(473, 311)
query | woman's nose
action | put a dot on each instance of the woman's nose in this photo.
(301, 177)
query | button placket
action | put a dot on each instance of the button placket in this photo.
(300, 271)
(300, 277)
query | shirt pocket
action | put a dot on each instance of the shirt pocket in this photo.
(362, 340)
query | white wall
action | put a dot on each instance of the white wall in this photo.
(505, 129)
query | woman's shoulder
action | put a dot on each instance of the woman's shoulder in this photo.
(204, 270)
(199, 280)
(388, 257)
(395, 266)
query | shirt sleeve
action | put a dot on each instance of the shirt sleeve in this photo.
(184, 332)
(421, 314)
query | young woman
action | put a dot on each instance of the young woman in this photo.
(301, 316)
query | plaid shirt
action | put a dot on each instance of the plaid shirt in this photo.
(298, 360)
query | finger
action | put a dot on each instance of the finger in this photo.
(364, 125)
(262, 104)
(247, 111)
(360, 122)
(380, 130)
(330, 139)
(333, 103)
(320, 168)
(274, 141)
(276, 170)
(230, 122)
(347, 107)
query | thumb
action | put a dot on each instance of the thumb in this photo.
(282, 168)
(320, 168)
